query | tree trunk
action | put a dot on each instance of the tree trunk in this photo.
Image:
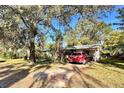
(32, 52)
(32, 57)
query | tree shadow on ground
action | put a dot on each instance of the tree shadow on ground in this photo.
(113, 62)
(1, 61)
(41, 77)
(11, 65)
(44, 61)
(106, 66)
(18, 75)
(8, 66)
(6, 72)
(87, 80)
(67, 69)
(41, 66)
(57, 80)
(75, 63)
(49, 80)
(14, 73)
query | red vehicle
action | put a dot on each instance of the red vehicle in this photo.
(77, 56)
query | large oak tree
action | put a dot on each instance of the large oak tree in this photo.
(22, 21)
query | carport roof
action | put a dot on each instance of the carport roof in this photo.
(94, 46)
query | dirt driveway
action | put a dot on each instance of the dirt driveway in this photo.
(22, 75)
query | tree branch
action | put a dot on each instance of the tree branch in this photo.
(18, 13)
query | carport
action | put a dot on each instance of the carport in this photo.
(90, 50)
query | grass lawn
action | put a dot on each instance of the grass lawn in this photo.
(2, 60)
(111, 73)
(15, 72)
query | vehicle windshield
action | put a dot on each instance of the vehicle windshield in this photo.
(76, 54)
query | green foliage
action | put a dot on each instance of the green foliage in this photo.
(120, 11)
(114, 44)
(88, 32)
(19, 25)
